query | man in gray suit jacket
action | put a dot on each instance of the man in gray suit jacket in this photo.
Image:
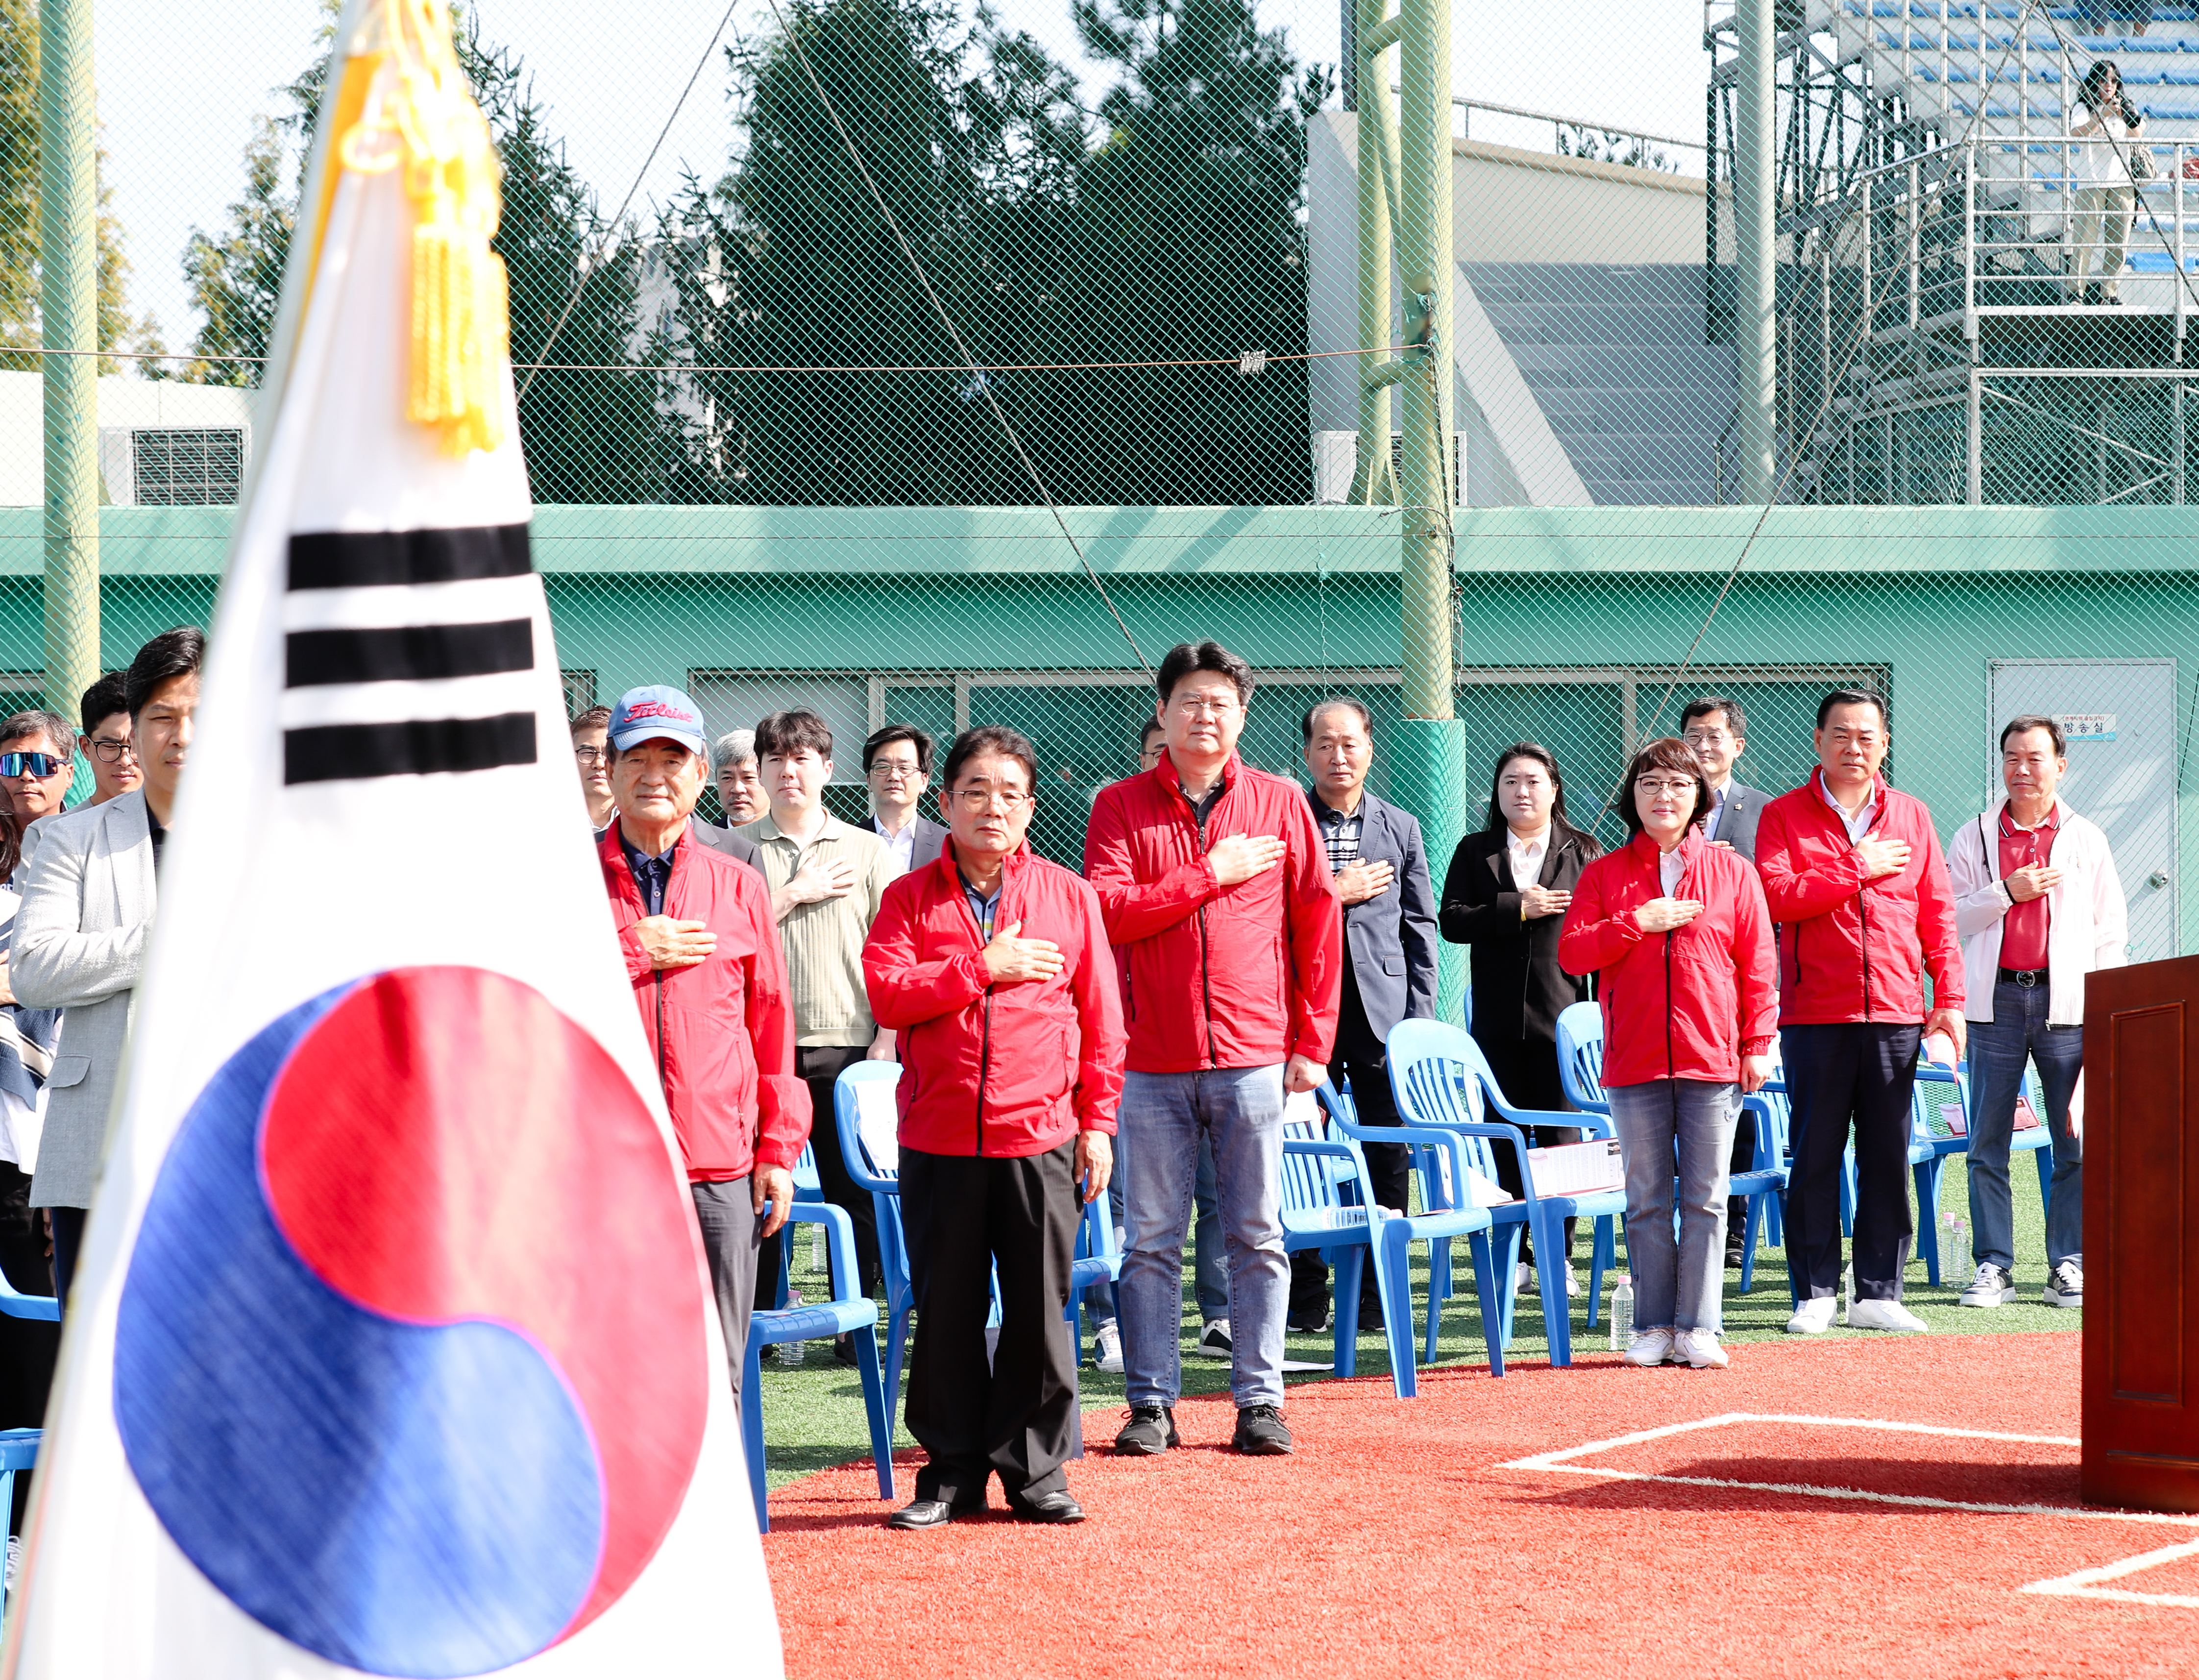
(897, 765)
(1717, 734)
(80, 936)
(1381, 869)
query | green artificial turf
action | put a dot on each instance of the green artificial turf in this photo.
(813, 1413)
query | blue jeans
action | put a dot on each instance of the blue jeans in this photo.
(1209, 1283)
(1999, 1048)
(1163, 1117)
(1675, 1286)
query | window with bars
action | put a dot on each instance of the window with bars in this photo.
(186, 467)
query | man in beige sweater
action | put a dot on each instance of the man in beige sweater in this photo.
(821, 929)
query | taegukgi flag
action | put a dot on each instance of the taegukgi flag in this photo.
(391, 1349)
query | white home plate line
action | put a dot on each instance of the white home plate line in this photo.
(2084, 1584)
(1557, 1463)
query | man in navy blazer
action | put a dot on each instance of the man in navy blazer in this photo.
(1381, 870)
(1716, 733)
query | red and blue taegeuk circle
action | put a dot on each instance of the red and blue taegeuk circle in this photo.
(410, 1359)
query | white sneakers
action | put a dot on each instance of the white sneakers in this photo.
(1991, 1287)
(1883, 1315)
(1814, 1317)
(1650, 1347)
(2065, 1286)
(1108, 1340)
(1700, 1349)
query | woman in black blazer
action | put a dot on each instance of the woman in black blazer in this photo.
(1518, 987)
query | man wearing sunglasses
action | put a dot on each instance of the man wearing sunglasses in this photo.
(88, 905)
(105, 742)
(38, 764)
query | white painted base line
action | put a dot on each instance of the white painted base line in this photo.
(2084, 1583)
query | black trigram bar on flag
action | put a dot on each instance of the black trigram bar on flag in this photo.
(343, 656)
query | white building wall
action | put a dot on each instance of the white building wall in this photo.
(124, 405)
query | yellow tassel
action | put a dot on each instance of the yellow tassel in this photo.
(421, 117)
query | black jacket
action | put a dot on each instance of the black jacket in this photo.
(1518, 987)
(1391, 937)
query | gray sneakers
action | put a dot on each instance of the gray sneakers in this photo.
(1991, 1287)
(2065, 1285)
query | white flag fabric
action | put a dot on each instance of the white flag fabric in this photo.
(391, 1349)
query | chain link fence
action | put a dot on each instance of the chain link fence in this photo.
(955, 381)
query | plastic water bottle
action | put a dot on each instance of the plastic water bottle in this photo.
(1622, 1311)
(792, 1353)
(817, 1262)
(1954, 1245)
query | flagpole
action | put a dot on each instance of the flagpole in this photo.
(68, 310)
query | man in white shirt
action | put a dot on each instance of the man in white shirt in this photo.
(2037, 907)
(897, 765)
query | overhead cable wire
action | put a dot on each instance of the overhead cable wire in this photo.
(969, 364)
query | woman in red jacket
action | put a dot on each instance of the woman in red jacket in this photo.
(1678, 934)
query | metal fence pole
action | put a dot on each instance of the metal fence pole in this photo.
(1756, 344)
(1427, 768)
(1373, 480)
(68, 308)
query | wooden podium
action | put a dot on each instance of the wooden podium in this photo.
(2141, 1094)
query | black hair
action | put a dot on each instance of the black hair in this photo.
(174, 653)
(1852, 696)
(989, 740)
(1153, 727)
(1542, 755)
(2094, 85)
(596, 717)
(51, 728)
(1735, 720)
(898, 731)
(102, 700)
(1665, 754)
(783, 734)
(1187, 657)
(1338, 702)
(2030, 721)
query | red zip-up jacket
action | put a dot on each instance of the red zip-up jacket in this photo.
(1239, 977)
(987, 1067)
(1851, 949)
(1688, 1004)
(721, 1031)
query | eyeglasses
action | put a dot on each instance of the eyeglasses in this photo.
(1662, 784)
(40, 765)
(109, 751)
(590, 756)
(978, 799)
(886, 770)
(1208, 708)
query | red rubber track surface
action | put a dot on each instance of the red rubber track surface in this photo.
(1395, 1542)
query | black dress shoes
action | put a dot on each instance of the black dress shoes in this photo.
(934, 1512)
(1047, 1507)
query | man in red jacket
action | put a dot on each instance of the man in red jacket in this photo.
(992, 965)
(1218, 898)
(703, 956)
(1856, 881)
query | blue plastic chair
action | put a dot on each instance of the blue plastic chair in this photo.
(1099, 1260)
(869, 1085)
(1322, 1210)
(807, 1188)
(1580, 1068)
(848, 1312)
(1444, 1214)
(16, 1305)
(1930, 1093)
(1440, 1079)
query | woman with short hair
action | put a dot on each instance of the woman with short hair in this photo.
(1678, 933)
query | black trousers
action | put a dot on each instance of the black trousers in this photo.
(1849, 1073)
(1526, 1070)
(726, 1212)
(820, 1067)
(27, 1346)
(965, 1216)
(1361, 1057)
(69, 1243)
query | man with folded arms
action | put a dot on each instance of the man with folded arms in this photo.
(1856, 883)
(992, 964)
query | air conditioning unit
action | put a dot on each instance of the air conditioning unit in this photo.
(172, 466)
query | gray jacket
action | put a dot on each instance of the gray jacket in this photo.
(1737, 822)
(79, 940)
(1391, 937)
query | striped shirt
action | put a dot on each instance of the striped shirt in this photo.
(823, 943)
(1339, 834)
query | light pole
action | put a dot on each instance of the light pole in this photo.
(68, 313)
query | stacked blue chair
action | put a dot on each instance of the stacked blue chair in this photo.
(1099, 1260)
(868, 1087)
(1580, 1067)
(1936, 1087)
(848, 1312)
(1446, 1213)
(1441, 1080)
(807, 1188)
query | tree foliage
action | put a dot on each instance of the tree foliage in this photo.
(19, 326)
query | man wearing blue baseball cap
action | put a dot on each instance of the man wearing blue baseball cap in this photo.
(701, 951)
(675, 704)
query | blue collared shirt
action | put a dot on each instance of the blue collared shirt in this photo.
(982, 908)
(652, 875)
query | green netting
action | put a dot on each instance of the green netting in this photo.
(764, 471)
